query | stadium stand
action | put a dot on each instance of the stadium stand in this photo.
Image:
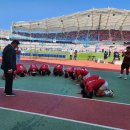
(82, 33)
(72, 35)
(115, 35)
(61, 36)
(126, 35)
(104, 35)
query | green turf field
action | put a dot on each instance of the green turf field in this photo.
(81, 55)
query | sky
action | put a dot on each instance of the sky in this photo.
(33, 10)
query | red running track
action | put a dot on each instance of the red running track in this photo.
(85, 110)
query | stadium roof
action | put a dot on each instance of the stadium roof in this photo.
(94, 19)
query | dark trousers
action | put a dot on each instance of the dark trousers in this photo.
(75, 57)
(70, 57)
(8, 83)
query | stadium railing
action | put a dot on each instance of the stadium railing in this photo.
(59, 56)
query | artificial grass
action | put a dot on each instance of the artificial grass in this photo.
(80, 55)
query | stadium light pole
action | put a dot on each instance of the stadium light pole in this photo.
(11, 29)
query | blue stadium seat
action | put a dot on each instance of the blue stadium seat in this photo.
(44, 55)
(34, 54)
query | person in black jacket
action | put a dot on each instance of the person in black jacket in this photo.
(9, 66)
(105, 57)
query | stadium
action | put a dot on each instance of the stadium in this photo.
(85, 31)
(56, 103)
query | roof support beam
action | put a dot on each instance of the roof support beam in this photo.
(63, 27)
(99, 21)
(119, 20)
(123, 21)
(30, 27)
(108, 18)
(46, 26)
(92, 19)
(78, 28)
(122, 26)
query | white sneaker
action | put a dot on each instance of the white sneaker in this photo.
(120, 76)
(111, 93)
(125, 78)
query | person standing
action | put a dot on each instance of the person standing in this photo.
(109, 53)
(71, 53)
(75, 55)
(105, 56)
(126, 63)
(18, 52)
(116, 56)
(9, 66)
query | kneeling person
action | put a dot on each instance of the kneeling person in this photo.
(21, 70)
(44, 69)
(58, 70)
(99, 87)
(33, 70)
(81, 73)
(69, 72)
(86, 79)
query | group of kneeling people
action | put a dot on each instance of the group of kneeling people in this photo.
(33, 70)
(90, 84)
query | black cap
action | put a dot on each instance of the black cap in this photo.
(15, 41)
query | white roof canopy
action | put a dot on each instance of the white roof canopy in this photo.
(102, 19)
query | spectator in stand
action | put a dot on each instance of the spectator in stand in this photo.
(75, 55)
(125, 63)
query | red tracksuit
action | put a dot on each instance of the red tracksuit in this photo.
(58, 67)
(91, 78)
(20, 68)
(44, 67)
(70, 70)
(33, 67)
(81, 71)
(94, 85)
